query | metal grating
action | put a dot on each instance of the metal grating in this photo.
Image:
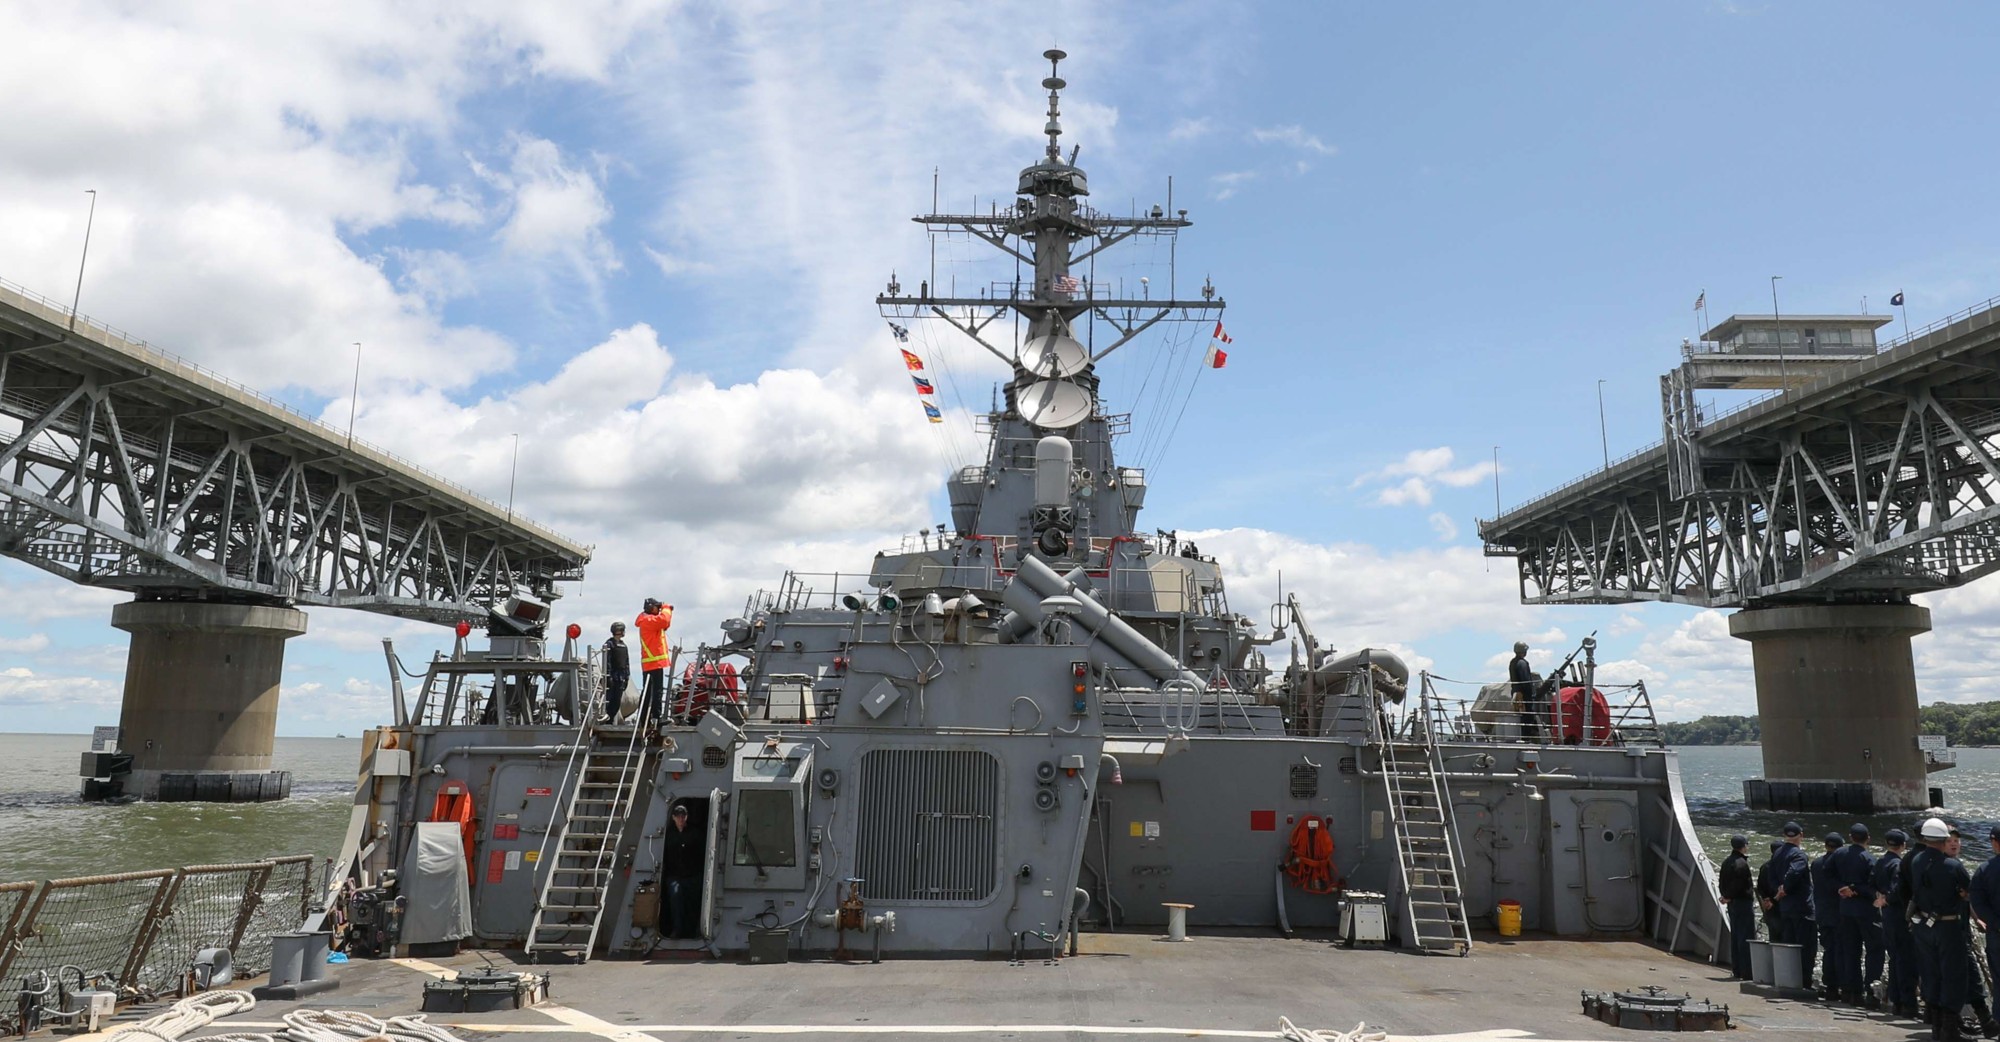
(929, 828)
(1305, 781)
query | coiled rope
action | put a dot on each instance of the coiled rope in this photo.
(1294, 1033)
(306, 1025)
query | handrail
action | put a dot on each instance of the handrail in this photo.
(196, 373)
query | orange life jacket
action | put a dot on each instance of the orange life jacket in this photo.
(653, 639)
(1310, 862)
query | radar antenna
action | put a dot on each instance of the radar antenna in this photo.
(1053, 232)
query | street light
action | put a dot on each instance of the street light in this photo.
(1603, 435)
(354, 396)
(1784, 378)
(88, 222)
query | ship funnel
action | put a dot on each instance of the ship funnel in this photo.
(1052, 468)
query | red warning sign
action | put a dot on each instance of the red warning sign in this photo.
(1263, 821)
(506, 832)
(496, 865)
(540, 791)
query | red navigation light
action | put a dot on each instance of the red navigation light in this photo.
(464, 628)
(575, 631)
(1078, 669)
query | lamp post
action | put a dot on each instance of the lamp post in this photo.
(354, 396)
(1784, 378)
(88, 223)
(1603, 434)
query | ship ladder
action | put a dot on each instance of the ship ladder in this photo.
(1426, 843)
(576, 861)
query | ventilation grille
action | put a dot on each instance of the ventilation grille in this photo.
(929, 828)
(1305, 781)
(713, 757)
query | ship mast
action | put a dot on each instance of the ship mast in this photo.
(1054, 234)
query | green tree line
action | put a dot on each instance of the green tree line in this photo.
(1976, 723)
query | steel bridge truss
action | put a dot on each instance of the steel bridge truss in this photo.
(1874, 483)
(125, 468)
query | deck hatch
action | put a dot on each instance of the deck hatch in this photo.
(929, 825)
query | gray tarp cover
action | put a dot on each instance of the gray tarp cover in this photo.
(434, 883)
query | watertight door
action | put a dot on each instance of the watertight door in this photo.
(718, 805)
(1608, 823)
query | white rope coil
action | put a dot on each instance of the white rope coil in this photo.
(305, 1025)
(1294, 1033)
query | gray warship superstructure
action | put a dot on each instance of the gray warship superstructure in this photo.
(1042, 718)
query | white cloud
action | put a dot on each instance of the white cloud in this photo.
(1227, 183)
(1417, 471)
(1444, 526)
(1191, 129)
(1294, 135)
(558, 210)
(21, 686)
(27, 645)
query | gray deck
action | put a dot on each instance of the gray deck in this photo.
(1124, 985)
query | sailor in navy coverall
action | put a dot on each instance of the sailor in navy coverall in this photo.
(1858, 926)
(1893, 902)
(1826, 920)
(1795, 898)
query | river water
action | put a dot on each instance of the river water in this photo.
(47, 833)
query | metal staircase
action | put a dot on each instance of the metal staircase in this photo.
(1426, 843)
(605, 767)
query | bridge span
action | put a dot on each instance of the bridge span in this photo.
(1817, 511)
(224, 512)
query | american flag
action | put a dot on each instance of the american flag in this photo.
(1067, 284)
(1701, 301)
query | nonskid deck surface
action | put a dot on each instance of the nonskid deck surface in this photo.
(1123, 986)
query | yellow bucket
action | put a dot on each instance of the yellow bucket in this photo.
(1510, 918)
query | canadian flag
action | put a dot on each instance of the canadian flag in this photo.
(1221, 334)
(1217, 357)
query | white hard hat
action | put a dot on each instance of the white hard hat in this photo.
(1934, 828)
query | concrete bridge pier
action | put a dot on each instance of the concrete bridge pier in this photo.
(1837, 693)
(201, 700)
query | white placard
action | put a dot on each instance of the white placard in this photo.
(1931, 743)
(103, 739)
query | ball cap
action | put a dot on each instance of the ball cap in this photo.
(1895, 837)
(1995, 835)
(1792, 828)
(1858, 830)
(1833, 839)
(1934, 828)
(1739, 842)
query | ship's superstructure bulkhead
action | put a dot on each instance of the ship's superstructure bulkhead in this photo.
(1040, 714)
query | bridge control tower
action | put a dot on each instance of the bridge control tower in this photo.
(1869, 474)
(224, 513)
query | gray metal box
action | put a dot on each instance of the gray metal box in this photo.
(770, 946)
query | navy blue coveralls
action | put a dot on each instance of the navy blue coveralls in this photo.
(1769, 875)
(1986, 906)
(1938, 885)
(1739, 898)
(1826, 922)
(1859, 928)
(1896, 931)
(1795, 909)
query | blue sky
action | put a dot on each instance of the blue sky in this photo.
(646, 237)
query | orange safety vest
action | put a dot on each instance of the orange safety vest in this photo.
(653, 639)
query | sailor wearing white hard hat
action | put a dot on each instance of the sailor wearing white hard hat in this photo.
(1938, 887)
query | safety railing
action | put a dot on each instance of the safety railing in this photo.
(138, 931)
(1622, 714)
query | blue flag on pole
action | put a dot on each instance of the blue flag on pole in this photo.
(1897, 300)
(932, 412)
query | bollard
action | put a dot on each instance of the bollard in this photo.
(1176, 920)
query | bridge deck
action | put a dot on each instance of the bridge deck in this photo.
(1874, 481)
(124, 466)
